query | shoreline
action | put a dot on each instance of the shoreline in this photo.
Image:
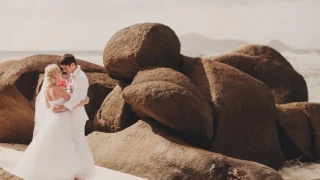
(9, 153)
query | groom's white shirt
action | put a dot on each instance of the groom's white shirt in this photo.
(78, 87)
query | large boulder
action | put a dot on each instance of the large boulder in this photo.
(312, 110)
(150, 150)
(16, 113)
(270, 67)
(244, 109)
(141, 45)
(187, 64)
(4, 66)
(114, 114)
(100, 85)
(294, 132)
(172, 99)
(16, 117)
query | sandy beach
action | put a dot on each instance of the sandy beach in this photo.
(11, 153)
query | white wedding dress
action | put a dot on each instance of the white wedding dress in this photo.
(52, 153)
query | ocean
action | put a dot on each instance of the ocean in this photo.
(308, 65)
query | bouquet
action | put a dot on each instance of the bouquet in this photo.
(63, 82)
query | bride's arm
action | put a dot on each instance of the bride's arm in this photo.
(67, 97)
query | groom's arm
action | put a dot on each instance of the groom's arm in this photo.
(79, 93)
(80, 90)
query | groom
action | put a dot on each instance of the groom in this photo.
(78, 88)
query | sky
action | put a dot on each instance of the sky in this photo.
(87, 25)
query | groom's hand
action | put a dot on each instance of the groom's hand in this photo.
(59, 109)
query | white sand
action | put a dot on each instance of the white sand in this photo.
(11, 153)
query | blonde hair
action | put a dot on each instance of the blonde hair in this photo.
(49, 73)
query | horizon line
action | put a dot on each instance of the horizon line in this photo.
(47, 50)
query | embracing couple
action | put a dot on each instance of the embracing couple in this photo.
(59, 150)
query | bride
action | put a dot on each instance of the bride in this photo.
(51, 154)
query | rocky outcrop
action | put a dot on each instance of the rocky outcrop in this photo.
(100, 85)
(149, 150)
(244, 111)
(312, 110)
(172, 99)
(270, 67)
(294, 132)
(138, 46)
(16, 117)
(114, 114)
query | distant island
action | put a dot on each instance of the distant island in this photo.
(198, 43)
(193, 45)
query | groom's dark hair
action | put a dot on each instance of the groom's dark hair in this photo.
(67, 59)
